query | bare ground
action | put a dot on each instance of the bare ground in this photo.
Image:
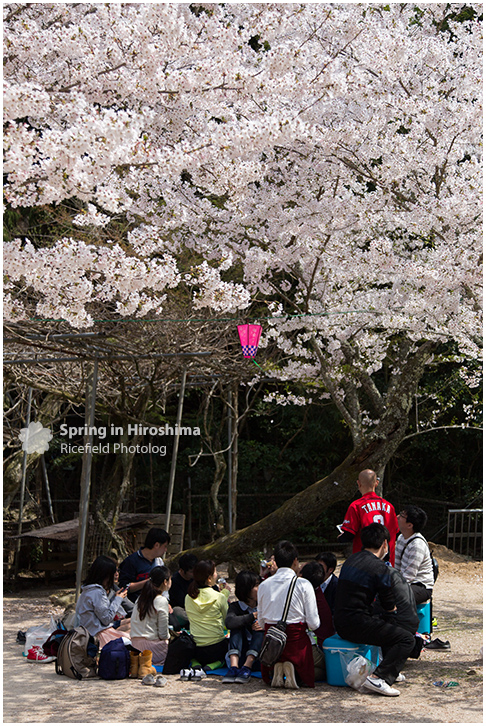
(33, 693)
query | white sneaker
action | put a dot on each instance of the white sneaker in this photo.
(289, 673)
(277, 680)
(400, 678)
(378, 685)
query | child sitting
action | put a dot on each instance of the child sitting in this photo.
(246, 635)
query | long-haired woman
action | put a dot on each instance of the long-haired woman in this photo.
(95, 610)
(150, 617)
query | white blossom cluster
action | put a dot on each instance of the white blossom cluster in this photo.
(321, 158)
(283, 399)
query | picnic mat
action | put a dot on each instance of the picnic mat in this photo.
(216, 672)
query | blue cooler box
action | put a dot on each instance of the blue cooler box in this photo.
(425, 619)
(334, 646)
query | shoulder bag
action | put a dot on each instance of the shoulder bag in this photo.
(276, 637)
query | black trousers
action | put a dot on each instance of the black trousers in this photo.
(211, 653)
(421, 593)
(396, 643)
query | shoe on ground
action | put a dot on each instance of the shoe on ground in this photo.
(277, 680)
(400, 678)
(21, 638)
(289, 673)
(378, 685)
(148, 680)
(198, 673)
(438, 644)
(243, 675)
(37, 654)
(160, 681)
(186, 674)
(230, 675)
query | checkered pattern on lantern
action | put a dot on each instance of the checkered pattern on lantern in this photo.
(249, 351)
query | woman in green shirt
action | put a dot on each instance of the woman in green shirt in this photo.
(206, 609)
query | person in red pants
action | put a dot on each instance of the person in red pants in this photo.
(296, 664)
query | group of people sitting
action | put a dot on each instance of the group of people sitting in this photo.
(371, 602)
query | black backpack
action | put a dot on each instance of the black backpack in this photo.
(180, 653)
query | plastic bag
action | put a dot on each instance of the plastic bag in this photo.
(356, 669)
(38, 634)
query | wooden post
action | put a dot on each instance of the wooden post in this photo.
(89, 418)
(174, 452)
(48, 490)
(230, 462)
(22, 485)
(234, 459)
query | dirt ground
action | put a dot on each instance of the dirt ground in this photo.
(33, 693)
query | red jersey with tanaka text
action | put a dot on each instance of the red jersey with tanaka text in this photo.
(368, 509)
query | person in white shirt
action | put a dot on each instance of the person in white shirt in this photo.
(296, 662)
(150, 618)
(412, 554)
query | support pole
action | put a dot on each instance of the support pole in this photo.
(230, 462)
(89, 418)
(22, 484)
(189, 509)
(48, 490)
(174, 452)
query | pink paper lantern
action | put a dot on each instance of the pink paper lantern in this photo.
(249, 338)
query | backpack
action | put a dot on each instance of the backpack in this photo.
(51, 646)
(76, 655)
(180, 653)
(435, 567)
(114, 662)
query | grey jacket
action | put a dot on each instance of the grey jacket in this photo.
(94, 610)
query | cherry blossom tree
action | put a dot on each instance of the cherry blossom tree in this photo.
(317, 165)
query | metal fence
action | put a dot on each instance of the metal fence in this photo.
(465, 531)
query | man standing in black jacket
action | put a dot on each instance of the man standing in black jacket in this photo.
(363, 577)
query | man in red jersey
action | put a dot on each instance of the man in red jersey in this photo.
(367, 509)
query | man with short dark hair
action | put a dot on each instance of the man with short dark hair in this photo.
(413, 558)
(363, 577)
(178, 591)
(329, 586)
(135, 568)
(296, 660)
(367, 509)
